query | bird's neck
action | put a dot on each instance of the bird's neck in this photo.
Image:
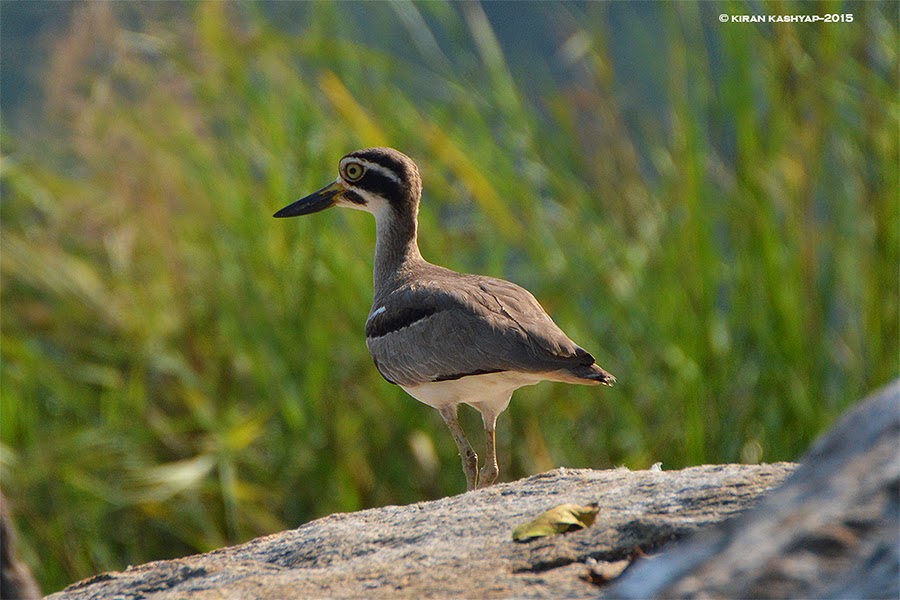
(396, 249)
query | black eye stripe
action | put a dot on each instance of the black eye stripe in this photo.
(379, 184)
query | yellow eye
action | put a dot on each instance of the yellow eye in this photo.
(354, 172)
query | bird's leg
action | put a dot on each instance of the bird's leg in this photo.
(490, 470)
(466, 453)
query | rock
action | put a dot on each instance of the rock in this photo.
(831, 531)
(460, 546)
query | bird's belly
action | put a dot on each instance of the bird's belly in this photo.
(493, 389)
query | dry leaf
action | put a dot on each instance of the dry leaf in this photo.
(559, 519)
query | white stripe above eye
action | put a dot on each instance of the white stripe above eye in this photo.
(372, 167)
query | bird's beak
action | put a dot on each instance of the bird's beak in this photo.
(324, 198)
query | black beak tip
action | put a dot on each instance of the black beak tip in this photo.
(313, 203)
(298, 208)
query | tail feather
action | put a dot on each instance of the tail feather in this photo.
(596, 373)
(591, 374)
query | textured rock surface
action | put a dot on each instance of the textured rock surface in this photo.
(831, 531)
(459, 546)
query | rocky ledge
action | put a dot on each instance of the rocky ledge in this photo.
(831, 530)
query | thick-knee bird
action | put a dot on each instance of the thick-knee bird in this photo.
(446, 338)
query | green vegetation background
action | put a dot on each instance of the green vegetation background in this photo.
(181, 372)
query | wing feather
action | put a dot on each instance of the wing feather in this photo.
(455, 325)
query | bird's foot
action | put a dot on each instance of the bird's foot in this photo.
(488, 475)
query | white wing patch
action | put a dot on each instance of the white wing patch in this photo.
(375, 313)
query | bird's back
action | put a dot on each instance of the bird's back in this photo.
(433, 324)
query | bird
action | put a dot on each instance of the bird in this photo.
(446, 338)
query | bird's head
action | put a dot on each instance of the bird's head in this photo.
(376, 180)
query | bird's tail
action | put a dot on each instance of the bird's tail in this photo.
(597, 373)
(592, 374)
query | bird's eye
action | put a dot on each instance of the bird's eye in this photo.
(354, 172)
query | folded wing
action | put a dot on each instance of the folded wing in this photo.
(431, 331)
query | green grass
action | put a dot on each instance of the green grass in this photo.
(180, 371)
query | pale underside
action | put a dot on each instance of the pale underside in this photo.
(487, 392)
